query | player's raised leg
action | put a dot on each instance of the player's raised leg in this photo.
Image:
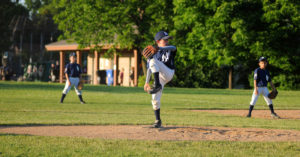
(155, 70)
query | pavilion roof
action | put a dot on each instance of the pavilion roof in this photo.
(64, 45)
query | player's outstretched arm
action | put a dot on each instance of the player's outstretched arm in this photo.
(272, 85)
(170, 47)
(67, 78)
(255, 88)
(148, 76)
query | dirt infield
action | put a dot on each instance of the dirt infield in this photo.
(284, 114)
(143, 132)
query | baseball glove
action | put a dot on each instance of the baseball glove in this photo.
(149, 51)
(273, 94)
(80, 85)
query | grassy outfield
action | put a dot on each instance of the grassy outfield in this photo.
(20, 145)
(38, 103)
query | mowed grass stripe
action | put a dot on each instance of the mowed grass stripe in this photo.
(22, 145)
(28, 103)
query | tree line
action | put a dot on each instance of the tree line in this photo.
(218, 41)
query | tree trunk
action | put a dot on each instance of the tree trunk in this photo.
(144, 66)
(230, 78)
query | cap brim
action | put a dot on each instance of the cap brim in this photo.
(167, 37)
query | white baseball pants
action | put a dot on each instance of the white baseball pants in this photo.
(261, 90)
(165, 75)
(74, 82)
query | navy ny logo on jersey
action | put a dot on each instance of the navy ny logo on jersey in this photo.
(165, 56)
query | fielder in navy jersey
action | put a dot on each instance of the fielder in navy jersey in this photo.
(261, 79)
(73, 74)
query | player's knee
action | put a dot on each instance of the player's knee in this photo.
(155, 104)
(65, 92)
(153, 66)
(78, 92)
(156, 107)
(253, 102)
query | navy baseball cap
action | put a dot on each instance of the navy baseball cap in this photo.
(72, 54)
(262, 59)
(162, 35)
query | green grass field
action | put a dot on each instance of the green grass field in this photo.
(38, 104)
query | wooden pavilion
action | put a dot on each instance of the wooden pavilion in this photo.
(127, 60)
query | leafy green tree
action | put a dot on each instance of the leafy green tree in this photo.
(124, 23)
(231, 33)
(213, 36)
(279, 41)
(8, 11)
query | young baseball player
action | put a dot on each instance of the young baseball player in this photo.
(161, 65)
(73, 75)
(261, 79)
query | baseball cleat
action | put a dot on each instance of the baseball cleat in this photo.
(61, 102)
(157, 124)
(155, 89)
(248, 115)
(274, 115)
(82, 102)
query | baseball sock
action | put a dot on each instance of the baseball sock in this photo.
(271, 108)
(62, 97)
(156, 78)
(250, 109)
(157, 114)
(80, 97)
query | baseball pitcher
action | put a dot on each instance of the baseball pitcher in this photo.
(160, 63)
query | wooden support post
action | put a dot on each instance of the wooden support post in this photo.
(96, 67)
(79, 58)
(230, 78)
(116, 67)
(61, 66)
(136, 67)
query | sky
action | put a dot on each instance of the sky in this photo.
(22, 2)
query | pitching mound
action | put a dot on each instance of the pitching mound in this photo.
(284, 114)
(142, 132)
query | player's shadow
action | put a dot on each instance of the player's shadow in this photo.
(11, 134)
(59, 87)
(203, 108)
(193, 129)
(205, 91)
(118, 89)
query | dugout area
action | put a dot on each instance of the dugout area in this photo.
(95, 61)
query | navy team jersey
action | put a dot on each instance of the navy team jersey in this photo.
(167, 56)
(73, 70)
(262, 77)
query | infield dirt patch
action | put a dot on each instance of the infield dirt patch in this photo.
(284, 114)
(143, 132)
